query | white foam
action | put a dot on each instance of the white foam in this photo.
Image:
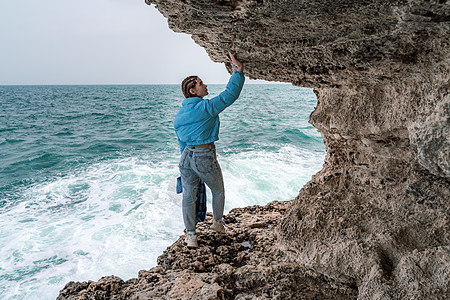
(113, 218)
(258, 177)
(116, 217)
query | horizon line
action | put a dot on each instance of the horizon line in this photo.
(105, 84)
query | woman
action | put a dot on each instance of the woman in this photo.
(197, 128)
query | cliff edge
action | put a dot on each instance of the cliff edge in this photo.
(374, 222)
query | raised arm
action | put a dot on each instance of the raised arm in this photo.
(232, 91)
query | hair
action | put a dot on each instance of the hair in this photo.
(187, 84)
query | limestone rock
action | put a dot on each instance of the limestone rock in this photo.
(243, 264)
(380, 70)
(374, 222)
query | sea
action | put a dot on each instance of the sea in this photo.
(88, 174)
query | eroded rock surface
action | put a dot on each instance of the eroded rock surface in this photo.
(243, 264)
(374, 222)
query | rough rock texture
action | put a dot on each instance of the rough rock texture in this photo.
(375, 220)
(243, 264)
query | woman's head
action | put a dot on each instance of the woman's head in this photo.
(193, 86)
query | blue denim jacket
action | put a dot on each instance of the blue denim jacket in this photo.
(197, 121)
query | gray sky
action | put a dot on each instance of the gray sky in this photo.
(96, 42)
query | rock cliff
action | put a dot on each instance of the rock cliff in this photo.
(374, 222)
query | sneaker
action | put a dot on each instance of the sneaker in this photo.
(218, 226)
(191, 240)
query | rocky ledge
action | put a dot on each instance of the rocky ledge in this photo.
(244, 263)
(374, 223)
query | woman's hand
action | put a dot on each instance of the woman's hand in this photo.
(235, 62)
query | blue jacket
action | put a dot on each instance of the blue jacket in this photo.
(197, 121)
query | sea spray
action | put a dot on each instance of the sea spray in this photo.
(88, 175)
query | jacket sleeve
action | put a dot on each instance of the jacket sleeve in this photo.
(217, 104)
(182, 144)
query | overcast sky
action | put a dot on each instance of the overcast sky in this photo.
(96, 42)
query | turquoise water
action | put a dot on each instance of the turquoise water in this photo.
(87, 180)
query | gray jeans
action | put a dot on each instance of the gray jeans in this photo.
(200, 164)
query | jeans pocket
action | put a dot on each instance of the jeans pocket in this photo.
(182, 159)
(205, 163)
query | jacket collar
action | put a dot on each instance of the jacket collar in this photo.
(191, 100)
